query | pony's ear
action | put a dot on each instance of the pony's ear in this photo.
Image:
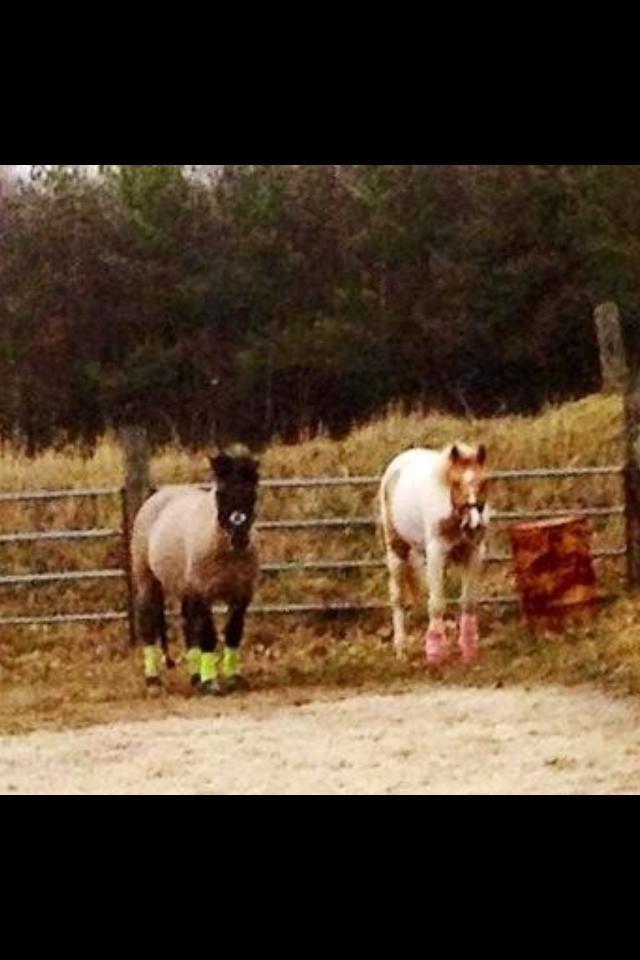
(222, 465)
(455, 456)
(482, 455)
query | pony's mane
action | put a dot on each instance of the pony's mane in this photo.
(239, 452)
(235, 460)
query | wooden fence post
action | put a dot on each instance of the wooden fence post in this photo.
(136, 457)
(613, 360)
(632, 477)
(617, 377)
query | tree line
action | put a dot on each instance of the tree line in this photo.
(273, 300)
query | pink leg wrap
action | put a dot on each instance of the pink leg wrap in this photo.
(436, 649)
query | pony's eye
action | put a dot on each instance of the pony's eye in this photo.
(238, 518)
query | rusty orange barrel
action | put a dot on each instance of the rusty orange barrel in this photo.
(554, 571)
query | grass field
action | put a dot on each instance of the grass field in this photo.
(67, 675)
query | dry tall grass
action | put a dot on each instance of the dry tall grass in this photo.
(84, 665)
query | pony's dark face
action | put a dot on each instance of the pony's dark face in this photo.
(236, 479)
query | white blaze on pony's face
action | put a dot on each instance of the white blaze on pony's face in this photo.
(468, 482)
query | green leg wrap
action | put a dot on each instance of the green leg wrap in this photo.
(209, 667)
(194, 657)
(152, 661)
(230, 663)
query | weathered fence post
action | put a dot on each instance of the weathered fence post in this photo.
(617, 377)
(137, 486)
(632, 477)
(613, 360)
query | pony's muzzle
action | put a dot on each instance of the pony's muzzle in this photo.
(474, 520)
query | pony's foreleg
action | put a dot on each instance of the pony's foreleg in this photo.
(202, 640)
(436, 639)
(469, 639)
(152, 627)
(234, 632)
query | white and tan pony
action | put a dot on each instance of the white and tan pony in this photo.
(434, 511)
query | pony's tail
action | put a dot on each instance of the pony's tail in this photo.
(411, 584)
(383, 513)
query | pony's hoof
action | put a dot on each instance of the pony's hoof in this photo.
(195, 681)
(154, 687)
(470, 657)
(210, 688)
(436, 646)
(236, 684)
(439, 659)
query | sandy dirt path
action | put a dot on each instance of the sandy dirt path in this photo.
(444, 741)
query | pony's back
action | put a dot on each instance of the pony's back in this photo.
(144, 523)
(415, 493)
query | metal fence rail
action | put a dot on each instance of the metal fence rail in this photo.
(73, 493)
(259, 610)
(37, 536)
(310, 524)
(63, 577)
(354, 523)
(108, 616)
(551, 473)
(307, 566)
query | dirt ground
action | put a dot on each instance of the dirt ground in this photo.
(425, 741)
